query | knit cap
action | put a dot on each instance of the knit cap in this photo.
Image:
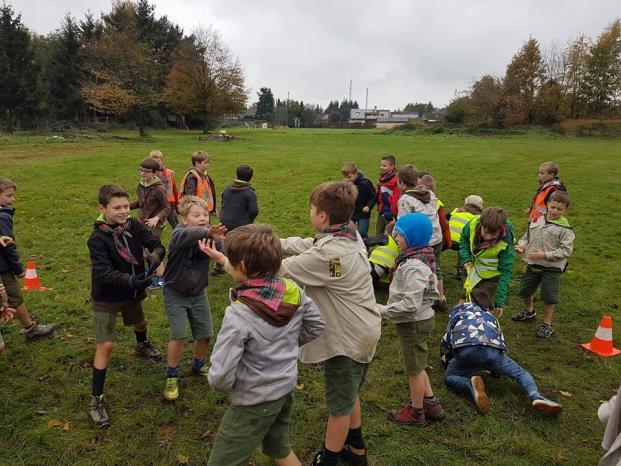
(475, 200)
(415, 228)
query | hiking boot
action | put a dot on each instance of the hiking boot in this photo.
(148, 351)
(545, 330)
(440, 305)
(171, 393)
(407, 416)
(433, 409)
(349, 457)
(39, 331)
(545, 406)
(524, 315)
(97, 411)
(478, 394)
(202, 371)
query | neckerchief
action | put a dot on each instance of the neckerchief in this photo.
(346, 230)
(387, 177)
(420, 192)
(268, 291)
(117, 232)
(155, 179)
(423, 254)
(479, 244)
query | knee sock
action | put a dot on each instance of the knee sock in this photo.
(354, 439)
(197, 363)
(99, 378)
(172, 371)
(141, 337)
(330, 458)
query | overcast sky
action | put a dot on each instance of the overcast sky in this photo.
(401, 50)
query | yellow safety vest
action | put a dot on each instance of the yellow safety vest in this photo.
(457, 222)
(385, 256)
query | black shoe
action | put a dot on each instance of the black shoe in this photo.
(440, 305)
(349, 457)
(97, 411)
(148, 351)
(37, 331)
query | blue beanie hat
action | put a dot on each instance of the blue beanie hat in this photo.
(415, 228)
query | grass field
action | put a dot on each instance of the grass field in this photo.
(47, 380)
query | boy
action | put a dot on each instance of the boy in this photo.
(548, 183)
(387, 193)
(153, 204)
(429, 182)
(6, 312)
(239, 200)
(118, 285)
(416, 197)
(473, 206)
(186, 277)
(168, 179)
(334, 270)
(366, 197)
(412, 293)
(196, 182)
(487, 254)
(473, 342)
(255, 355)
(546, 246)
(11, 268)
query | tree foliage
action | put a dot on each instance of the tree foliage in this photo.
(265, 105)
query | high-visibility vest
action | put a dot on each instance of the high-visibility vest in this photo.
(386, 255)
(203, 187)
(457, 222)
(439, 204)
(168, 178)
(538, 205)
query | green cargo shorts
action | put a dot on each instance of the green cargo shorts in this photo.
(413, 338)
(344, 378)
(104, 317)
(550, 284)
(12, 288)
(181, 309)
(243, 428)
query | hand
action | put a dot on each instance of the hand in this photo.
(152, 222)
(6, 314)
(467, 265)
(498, 311)
(537, 255)
(141, 283)
(153, 261)
(208, 246)
(519, 248)
(6, 241)
(217, 231)
(366, 209)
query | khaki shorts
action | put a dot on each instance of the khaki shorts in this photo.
(344, 378)
(13, 290)
(182, 309)
(550, 283)
(104, 317)
(413, 338)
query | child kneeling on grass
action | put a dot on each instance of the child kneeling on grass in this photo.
(473, 342)
(256, 352)
(185, 280)
(413, 289)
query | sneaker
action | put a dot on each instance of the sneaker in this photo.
(349, 457)
(148, 351)
(478, 393)
(202, 371)
(440, 305)
(407, 416)
(97, 411)
(156, 284)
(318, 459)
(39, 331)
(524, 315)
(171, 393)
(545, 331)
(545, 406)
(433, 409)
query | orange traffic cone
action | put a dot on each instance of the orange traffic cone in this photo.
(602, 343)
(31, 280)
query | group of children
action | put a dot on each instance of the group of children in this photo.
(317, 304)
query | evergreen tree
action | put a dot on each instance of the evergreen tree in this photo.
(603, 71)
(265, 105)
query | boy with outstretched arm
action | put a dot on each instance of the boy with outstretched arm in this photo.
(186, 277)
(118, 285)
(255, 355)
(334, 270)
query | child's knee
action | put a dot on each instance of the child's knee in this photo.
(105, 347)
(141, 326)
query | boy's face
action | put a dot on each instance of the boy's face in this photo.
(202, 166)
(319, 219)
(146, 175)
(351, 176)
(197, 216)
(400, 240)
(386, 167)
(117, 210)
(489, 235)
(7, 197)
(238, 272)
(544, 175)
(555, 210)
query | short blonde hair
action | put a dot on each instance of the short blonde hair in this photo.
(550, 167)
(349, 168)
(188, 201)
(5, 184)
(156, 154)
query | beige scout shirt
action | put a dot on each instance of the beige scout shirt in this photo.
(557, 241)
(335, 273)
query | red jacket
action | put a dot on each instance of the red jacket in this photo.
(388, 194)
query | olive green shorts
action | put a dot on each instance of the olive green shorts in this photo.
(344, 378)
(413, 338)
(243, 428)
(13, 290)
(104, 317)
(550, 283)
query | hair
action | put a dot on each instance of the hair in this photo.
(335, 198)
(560, 196)
(482, 299)
(156, 154)
(493, 219)
(187, 202)
(244, 172)
(257, 246)
(199, 156)
(390, 159)
(5, 184)
(108, 191)
(429, 181)
(422, 173)
(349, 168)
(550, 167)
(408, 175)
(151, 164)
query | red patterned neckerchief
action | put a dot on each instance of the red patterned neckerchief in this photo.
(118, 232)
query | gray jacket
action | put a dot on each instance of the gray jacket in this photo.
(256, 361)
(556, 239)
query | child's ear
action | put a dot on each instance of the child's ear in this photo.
(101, 208)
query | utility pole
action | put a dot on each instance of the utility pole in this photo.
(366, 101)
(350, 84)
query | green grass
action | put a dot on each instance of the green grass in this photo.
(57, 191)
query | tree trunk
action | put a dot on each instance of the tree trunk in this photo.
(204, 122)
(141, 123)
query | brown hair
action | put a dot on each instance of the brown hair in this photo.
(5, 184)
(199, 156)
(493, 219)
(560, 196)
(349, 168)
(244, 173)
(151, 164)
(257, 246)
(335, 198)
(422, 173)
(108, 191)
(390, 158)
(429, 181)
(188, 201)
(408, 175)
(550, 167)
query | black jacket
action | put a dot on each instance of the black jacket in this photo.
(239, 205)
(187, 269)
(9, 258)
(366, 197)
(111, 277)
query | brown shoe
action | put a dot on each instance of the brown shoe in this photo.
(479, 395)
(407, 416)
(433, 409)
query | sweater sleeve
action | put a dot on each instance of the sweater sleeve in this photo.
(446, 231)
(9, 253)
(253, 206)
(227, 352)
(151, 242)
(188, 236)
(371, 193)
(308, 268)
(464, 244)
(165, 210)
(565, 246)
(313, 322)
(295, 244)
(190, 187)
(505, 267)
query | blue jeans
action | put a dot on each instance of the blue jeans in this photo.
(471, 359)
(363, 227)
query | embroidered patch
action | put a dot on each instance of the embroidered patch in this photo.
(335, 267)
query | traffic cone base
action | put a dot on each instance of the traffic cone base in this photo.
(602, 343)
(613, 352)
(31, 280)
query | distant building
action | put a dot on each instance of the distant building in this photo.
(379, 118)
